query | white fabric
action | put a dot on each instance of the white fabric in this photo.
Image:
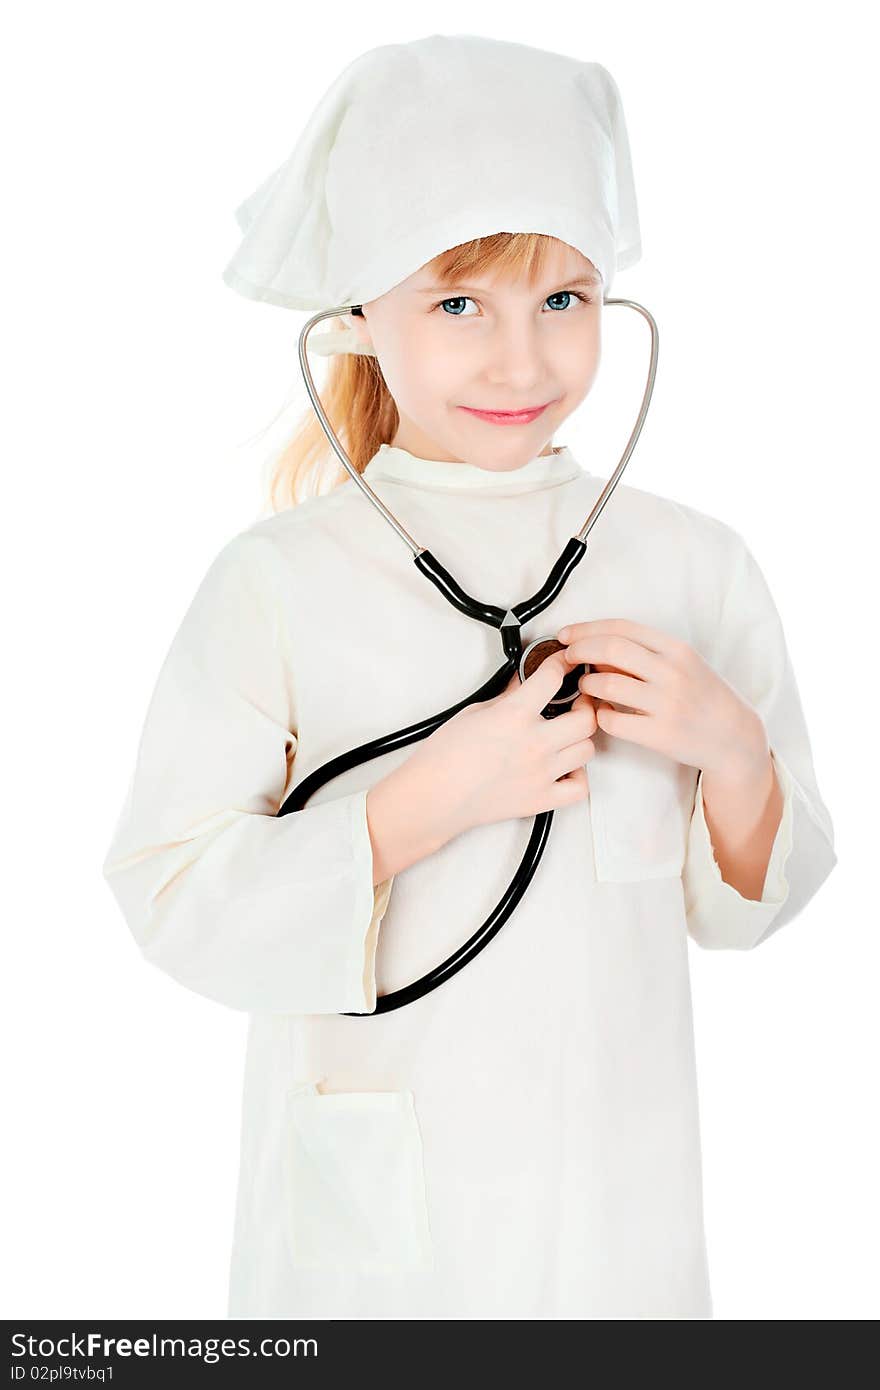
(418, 147)
(523, 1142)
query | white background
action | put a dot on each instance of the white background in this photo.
(137, 390)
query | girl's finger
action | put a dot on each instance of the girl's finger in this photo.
(617, 653)
(653, 640)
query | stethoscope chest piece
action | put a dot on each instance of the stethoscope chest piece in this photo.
(533, 656)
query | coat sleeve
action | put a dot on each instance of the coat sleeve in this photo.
(252, 910)
(750, 652)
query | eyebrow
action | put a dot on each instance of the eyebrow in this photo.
(586, 280)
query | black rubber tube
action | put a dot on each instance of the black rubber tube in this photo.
(401, 738)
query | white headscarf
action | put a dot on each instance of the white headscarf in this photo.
(418, 147)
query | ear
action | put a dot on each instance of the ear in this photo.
(360, 328)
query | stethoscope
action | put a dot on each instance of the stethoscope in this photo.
(509, 622)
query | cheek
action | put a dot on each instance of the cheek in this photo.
(578, 365)
(422, 373)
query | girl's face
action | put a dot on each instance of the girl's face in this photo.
(491, 344)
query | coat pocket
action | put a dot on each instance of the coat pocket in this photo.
(641, 803)
(355, 1181)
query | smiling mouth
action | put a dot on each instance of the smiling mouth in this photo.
(491, 409)
(524, 414)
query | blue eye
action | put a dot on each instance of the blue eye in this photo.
(567, 295)
(459, 299)
(463, 299)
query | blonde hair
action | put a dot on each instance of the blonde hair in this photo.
(355, 398)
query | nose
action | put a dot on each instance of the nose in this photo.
(516, 359)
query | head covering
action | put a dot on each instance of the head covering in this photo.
(418, 147)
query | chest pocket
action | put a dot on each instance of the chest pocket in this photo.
(354, 1181)
(641, 803)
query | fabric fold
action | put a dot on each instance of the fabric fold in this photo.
(256, 911)
(751, 653)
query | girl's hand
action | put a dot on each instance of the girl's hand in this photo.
(678, 704)
(501, 759)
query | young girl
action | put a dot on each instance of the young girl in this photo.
(522, 1142)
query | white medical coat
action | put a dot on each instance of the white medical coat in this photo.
(522, 1142)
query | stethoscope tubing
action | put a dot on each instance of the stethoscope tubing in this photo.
(509, 622)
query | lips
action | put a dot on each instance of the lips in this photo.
(506, 417)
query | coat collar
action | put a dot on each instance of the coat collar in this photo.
(400, 466)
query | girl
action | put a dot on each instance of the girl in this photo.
(523, 1141)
